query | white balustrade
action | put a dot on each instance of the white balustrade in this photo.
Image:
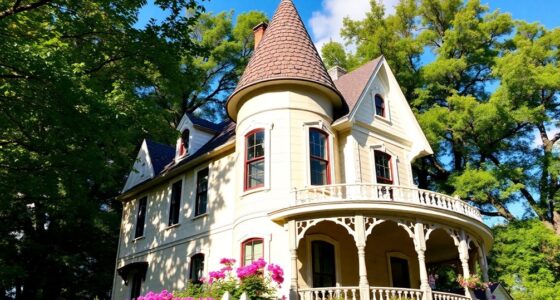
(384, 192)
(447, 296)
(391, 293)
(329, 293)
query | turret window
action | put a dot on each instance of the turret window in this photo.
(383, 167)
(318, 157)
(254, 159)
(251, 250)
(379, 106)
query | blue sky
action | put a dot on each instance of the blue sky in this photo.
(323, 18)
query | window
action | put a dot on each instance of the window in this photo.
(318, 157)
(323, 264)
(251, 250)
(379, 106)
(399, 272)
(383, 167)
(196, 268)
(254, 159)
(184, 148)
(136, 286)
(175, 204)
(201, 192)
(140, 217)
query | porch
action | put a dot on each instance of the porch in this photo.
(378, 257)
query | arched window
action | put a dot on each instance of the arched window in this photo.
(196, 268)
(254, 159)
(319, 157)
(184, 142)
(251, 250)
(383, 171)
(379, 106)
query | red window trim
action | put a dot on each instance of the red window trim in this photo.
(390, 162)
(375, 105)
(249, 240)
(247, 162)
(327, 147)
(182, 149)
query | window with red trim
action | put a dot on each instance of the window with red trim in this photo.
(383, 170)
(254, 159)
(319, 157)
(379, 106)
(251, 250)
(184, 148)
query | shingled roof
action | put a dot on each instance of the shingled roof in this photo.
(286, 52)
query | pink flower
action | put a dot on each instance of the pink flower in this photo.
(227, 261)
(276, 273)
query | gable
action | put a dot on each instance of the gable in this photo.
(142, 169)
(200, 132)
(399, 121)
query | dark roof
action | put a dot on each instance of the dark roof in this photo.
(160, 155)
(353, 84)
(285, 52)
(204, 123)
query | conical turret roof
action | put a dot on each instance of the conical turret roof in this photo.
(286, 52)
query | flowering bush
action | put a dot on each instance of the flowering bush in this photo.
(165, 295)
(472, 282)
(251, 279)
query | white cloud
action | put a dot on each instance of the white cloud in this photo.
(327, 22)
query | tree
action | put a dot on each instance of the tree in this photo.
(482, 135)
(526, 258)
(73, 109)
(203, 82)
(334, 55)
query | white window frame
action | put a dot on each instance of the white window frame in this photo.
(135, 216)
(330, 136)
(390, 272)
(193, 253)
(379, 89)
(267, 127)
(195, 185)
(394, 163)
(309, 259)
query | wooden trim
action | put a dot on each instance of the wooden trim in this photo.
(327, 152)
(250, 240)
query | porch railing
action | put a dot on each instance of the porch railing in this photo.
(390, 293)
(447, 296)
(329, 293)
(384, 192)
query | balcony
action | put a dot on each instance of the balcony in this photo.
(381, 196)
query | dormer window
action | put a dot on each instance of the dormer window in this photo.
(379, 106)
(184, 142)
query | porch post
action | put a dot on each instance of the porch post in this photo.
(464, 258)
(420, 247)
(292, 241)
(484, 268)
(360, 239)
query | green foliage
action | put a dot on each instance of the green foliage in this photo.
(486, 101)
(526, 257)
(333, 55)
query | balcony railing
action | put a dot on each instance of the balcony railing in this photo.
(329, 293)
(384, 192)
(447, 296)
(389, 293)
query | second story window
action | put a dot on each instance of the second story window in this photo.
(141, 217)
(201, 192)
(379, 106)
(251, 250)
(196, 268)
(175, 203)
(254, 159)
(184, 148)
(318, 157)
(383, 167)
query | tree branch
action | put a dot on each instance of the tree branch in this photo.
(16, 8)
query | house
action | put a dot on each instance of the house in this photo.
(311, 171)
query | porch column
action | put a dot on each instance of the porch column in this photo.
(420, 247)
(463, 248)
(360, 239)
(292, 241)
(484, 268)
